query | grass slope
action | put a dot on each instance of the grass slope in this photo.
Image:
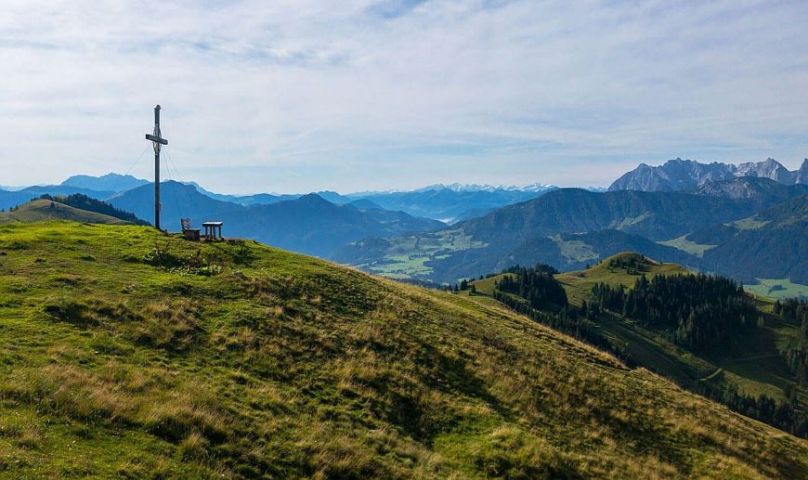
(775, 288)
(284, 366)
(42, 210)
(688, 246)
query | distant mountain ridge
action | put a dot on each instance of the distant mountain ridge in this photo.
(308, 224)
(447, 203)
(566, 228)
(111, 182)
(451, 205)
(770, 244)
(763, 192)
(744, 227)
(687, 175)
(473, 187)
(15, 198)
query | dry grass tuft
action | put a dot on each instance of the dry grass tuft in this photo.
(172, 326)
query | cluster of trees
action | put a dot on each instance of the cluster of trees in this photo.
(462, 287)
(536, 285)
(632, 264)
(698, 311)
(796, 356)
(83, 202)
(568, 319)
(535, 293)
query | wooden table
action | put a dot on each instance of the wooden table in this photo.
(211, 229)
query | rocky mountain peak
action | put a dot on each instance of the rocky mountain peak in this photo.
(687, 175)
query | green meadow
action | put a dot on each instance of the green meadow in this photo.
(126, 353)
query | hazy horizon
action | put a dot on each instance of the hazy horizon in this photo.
(167, 176)
(396, 95)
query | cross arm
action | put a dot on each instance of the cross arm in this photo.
(159, 140)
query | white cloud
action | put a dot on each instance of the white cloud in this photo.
(302, 95)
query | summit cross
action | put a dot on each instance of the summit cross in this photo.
(157, 142)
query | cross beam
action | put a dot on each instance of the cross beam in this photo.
(157, 142)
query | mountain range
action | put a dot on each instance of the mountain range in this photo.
(308, 224)
(316, 224)
(687, 175)
(111, 182)
(569, 228)
(451, 204)
(13, 198)
(770, 244)
(710, 217)
(446, 203)
(554, 229)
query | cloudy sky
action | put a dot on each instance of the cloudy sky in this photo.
(293, 96)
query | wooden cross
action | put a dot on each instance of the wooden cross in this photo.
(157, 142)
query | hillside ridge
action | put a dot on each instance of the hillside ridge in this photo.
(47, 209)
(126, 350)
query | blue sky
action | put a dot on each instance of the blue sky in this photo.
(303, 95)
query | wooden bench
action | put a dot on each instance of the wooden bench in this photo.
(188, 232)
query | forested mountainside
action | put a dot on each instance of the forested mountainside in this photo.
(702, 331)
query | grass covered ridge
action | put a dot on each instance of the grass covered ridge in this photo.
(128, 353)
(43, 210)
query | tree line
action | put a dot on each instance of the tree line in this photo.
(536, 285)
(796, 355)
(786, 415)
(698, 312)
(535, 293)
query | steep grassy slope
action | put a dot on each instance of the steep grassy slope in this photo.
(40, 210)
(119, 359)
(751, 363)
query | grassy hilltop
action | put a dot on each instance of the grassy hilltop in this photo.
(42, 210)
(126, 353)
